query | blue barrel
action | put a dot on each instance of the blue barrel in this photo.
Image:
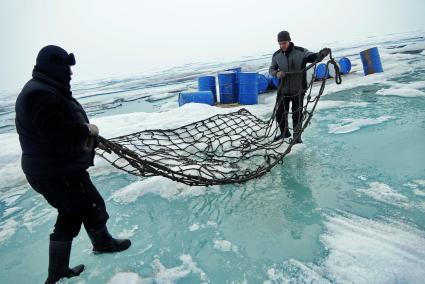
(207, 83)
(248, 88)
(227, 86)
(269, 78)
(263, 83)
(201, 97)
(344, 65)
(321, 72)
(237, 70)
(371, 61)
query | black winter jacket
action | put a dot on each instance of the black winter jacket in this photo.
(51, 127)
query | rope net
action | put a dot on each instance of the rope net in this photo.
(225, 148)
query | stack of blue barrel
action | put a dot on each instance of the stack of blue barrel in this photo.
(263, 80)
(235, 87)
(243, 87)
(239, 87)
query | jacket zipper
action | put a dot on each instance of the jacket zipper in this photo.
(289, 81)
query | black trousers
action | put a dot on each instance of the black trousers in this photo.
(282, 101)
(77, 201)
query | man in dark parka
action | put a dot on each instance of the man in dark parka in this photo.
(58, 142)
(291, 58)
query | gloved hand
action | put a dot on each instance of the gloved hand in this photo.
(324, 52)
(280, 74)
(93, 130)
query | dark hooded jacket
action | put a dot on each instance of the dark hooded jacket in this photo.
(51, 124)
(293, 59)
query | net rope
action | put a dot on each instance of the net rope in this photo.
(225, 148)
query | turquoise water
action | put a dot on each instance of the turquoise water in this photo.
(346, 207)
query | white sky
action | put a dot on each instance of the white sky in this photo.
(118, 37)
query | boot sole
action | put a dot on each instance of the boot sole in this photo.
(111, 250)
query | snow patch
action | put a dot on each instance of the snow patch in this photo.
(420, 182)
(37, 216)
(413, 89)
(225, 246)
(161, 186)
(360, 251)
(401, 92)
(10, 211)
(384, 193)
(419, 192)
(128, 233)
(351, 124)
(11, 195)
(163, 275)
(323, 105)
(7, 229)
(196, 226)
(369, 251)
(126, 278)
(411, 185)
(294, 271)
(362, 177)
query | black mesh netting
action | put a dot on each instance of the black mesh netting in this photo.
(225, 148)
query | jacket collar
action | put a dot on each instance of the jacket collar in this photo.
(51, 82)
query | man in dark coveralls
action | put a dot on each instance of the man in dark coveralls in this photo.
(291, 58)
(58, 142)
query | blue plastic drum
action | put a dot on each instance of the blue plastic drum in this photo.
(321, 71)
(227, 86)
(201, 97)
(269, 78)
(263, 83)
(371, 61)
(207, 83)
(237, 70)
(248, 88)
(344, 65)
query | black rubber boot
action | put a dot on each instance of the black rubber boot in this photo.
(103, 242)
(59, 253)
(298, 139)
(280, 136)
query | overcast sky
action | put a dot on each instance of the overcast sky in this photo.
(119, 37)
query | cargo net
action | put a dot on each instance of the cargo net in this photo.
(225, 148)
